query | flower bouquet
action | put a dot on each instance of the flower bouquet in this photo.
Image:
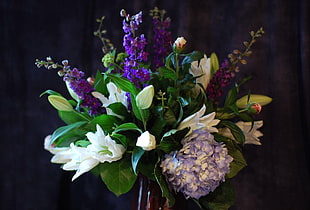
(173, 116)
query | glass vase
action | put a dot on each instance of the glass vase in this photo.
(147, 196)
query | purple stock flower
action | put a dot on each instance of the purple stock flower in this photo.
(220, 79)
(135, 48)
(83, 90)
(162, 40)
(199, 167)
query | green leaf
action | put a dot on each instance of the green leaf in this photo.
(107, 122)
(222, 198)
(123, 84)
(119, 109)
(231, 96)
(193, 56)
(64, 130)
(135, 157)
(163, 184)
(50, 92)
(118, 176)
(171, 140)
(167, 73)
(237, 164)
(72, 117)
(235, 130)
(126, 127)
(121, 138)
(100, 84)
(171, 60)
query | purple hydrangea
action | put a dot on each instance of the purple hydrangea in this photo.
(220, 79)
(135, 49)
(199, 167)
(83, 90)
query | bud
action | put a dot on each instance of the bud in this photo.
(254, 108)
(91, 81)
(179, 43)
(146, 141)
(71, 92)
(145, 97)
(260, 99)
(60, 103)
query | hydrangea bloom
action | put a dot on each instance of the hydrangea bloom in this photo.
(199, 167)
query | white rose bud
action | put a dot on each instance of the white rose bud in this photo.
(147, 141)
(60, 103)
(145, 97)
(179, 43)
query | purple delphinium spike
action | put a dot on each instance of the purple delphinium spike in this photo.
(135, 49)
(220, 79)
(162, 40)
(83, 90)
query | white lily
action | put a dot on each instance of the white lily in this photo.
(103, 147)
(201, 68)
(115, 95)
(81, 160)
(61, 154)
(251, 134)
(146, 141)
(197, 121)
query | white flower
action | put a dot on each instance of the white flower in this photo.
(147, 141)
(103, 147)
(251, 134)
(179, 43)
(197, 121)
(145, 97)
(115, 95)
(61, 154)
(201, 68)
(81, 160)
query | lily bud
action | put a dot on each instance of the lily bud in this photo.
(179, 43)
(254, 108)
(60, 103)
(145, 97)
(71, 92)
(146, 141)
(260, 99)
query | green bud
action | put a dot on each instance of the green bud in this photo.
(245, 100)
(214, 63)
(60, 103)
(145, 97)
(107, 60)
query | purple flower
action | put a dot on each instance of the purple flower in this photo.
(162, 40)
(220, 79)
(199, 167)
(135, 48)
(83, 90)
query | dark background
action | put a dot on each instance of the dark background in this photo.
(278, 173)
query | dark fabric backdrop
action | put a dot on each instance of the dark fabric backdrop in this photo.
(278, 173)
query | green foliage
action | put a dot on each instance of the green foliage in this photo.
(163, 184)
(64, 135)
(235, 130)
(135, 157)
(222, 198)
(106, 122)
(118, 176)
